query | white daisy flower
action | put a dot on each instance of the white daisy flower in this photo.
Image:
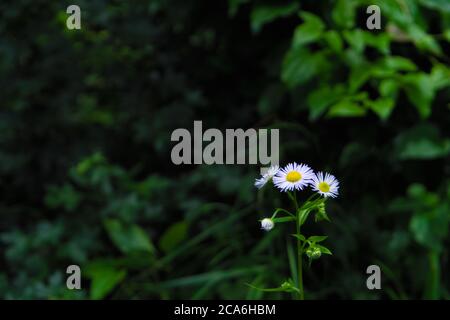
(267, 224)
(266, 177)
(293, 177)
(325, 184)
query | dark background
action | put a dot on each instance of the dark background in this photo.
(85, 123)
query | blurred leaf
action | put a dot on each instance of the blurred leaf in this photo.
(322, 98)
(299, 237)
(317, 238)
(356, 39)
(388, 88)
(420, 91)
(309, 31)
(233, 6)
(421, 142)
(173, 236)
(333, 40)
(263, 14)
(105, 277)
(65, 196)
(346, 108)
(323, 249)
(299, 66)
(353, 153)
(382, 107)
(128, 238)
(423, 40)
(398, 63)
(441, 5)
(344, 13)
(321, 215)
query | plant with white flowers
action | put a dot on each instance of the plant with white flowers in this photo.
(292, 179)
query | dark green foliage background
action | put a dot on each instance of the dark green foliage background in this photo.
(85, 124)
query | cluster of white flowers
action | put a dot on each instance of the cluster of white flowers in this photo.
(299, 176)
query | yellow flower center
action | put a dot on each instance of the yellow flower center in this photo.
(324, 187)
(293, 176)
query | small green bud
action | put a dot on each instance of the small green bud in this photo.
(313, 253)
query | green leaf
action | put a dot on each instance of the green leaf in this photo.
(421, 142)
(381, 41)
(322, 98)
(317, 238)
(388, 88)
(264, 14)
(323, 249)
(299, 66)
(321, 216)
(304, 213)
(287, 286)
(128, 238)
(299, 236)
(440, 5)
(440, 76)
(105, 277)
(423, 40)
(382, 107)
(420, 91)
(343, 13)
(398, 63)
(173, 236)
(355, 39)
(334, 40)
(359, 76)
(309, 31)
(447, 35)
(346, 108)
(65, 196)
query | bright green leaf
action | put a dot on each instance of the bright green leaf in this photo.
(309, 31)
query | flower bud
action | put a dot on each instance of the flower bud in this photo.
(313, 253)
(267, 224)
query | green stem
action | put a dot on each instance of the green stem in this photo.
(301, 295)
(300, 261)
